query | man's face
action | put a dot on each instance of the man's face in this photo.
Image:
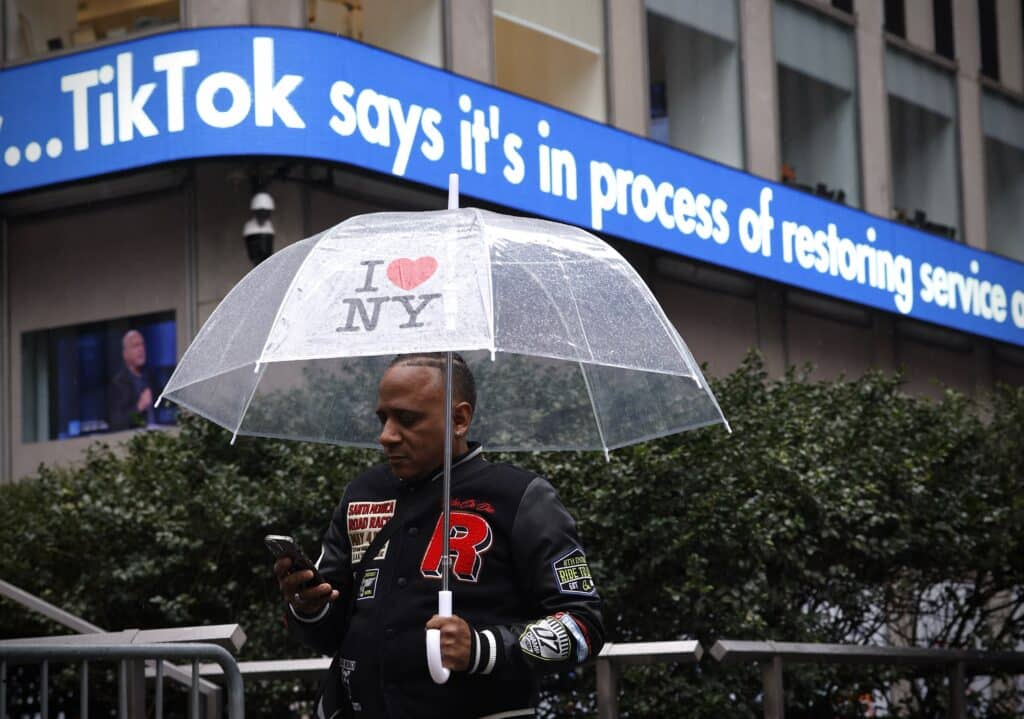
(134, 350)
(410, 406)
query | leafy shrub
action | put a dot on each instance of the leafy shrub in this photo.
(835, 512)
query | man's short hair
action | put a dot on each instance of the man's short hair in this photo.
(129, 333)
(462, 377)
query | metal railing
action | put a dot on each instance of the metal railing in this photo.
(229, 636)
(127, 654)
(773, 655)
(609, 666)
(614, 655)
(134, 645)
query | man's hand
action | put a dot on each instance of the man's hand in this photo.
(145, 399)
(456, 642)
(308, 602)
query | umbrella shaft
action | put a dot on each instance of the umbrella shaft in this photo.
(446, 551)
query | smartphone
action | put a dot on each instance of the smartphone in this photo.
(284, 546)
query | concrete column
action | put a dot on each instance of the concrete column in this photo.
(5, 364)
(203, 13)
(626, 54)
(873, 108)
(191, 259)
(469, 38)
(957, 691)
(1011, 44)
(883, 331)
(607, 690)
(774, 694)
(136, 679)
(760, 106)
(771, 327)
(286, 13)
(7, 13)
(972, 148)
(982, 352)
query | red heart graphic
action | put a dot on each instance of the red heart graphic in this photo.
(406, 273)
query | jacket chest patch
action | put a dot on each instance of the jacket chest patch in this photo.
(469, 539)
(364, 520)
(368, 585)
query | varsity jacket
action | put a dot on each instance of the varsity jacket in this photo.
(520, 579)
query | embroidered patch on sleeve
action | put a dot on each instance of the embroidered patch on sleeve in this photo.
(547, 640)
(572, 573)
(582, 646)
(368, 587)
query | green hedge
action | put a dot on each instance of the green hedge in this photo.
(835, 511)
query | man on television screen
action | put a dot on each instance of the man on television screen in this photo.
(132, 390)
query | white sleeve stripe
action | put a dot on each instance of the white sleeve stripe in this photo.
(311, 620)
(493, 646)
(479, 651)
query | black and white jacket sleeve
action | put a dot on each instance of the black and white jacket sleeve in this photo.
(566, 628)
(324, 632)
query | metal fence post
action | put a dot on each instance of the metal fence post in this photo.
(44, 652)
(774, 699)
(136, 688)
(607, 689)
(44, 689)
(957, 691)
(213, 703)
(83, 683)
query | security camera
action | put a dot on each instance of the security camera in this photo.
(262, 204)
(259, 239)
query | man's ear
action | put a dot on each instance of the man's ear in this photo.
(462, 417)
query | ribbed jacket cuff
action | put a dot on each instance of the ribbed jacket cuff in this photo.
(483, 655)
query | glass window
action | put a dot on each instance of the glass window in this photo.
(817, 103)
(98, 377)
(894, 19)
(1003, 123)
(942, 15)
(552, 52)
(36, 27)
(411, 27)
(923, 143)
(989, 38)
(695, 77)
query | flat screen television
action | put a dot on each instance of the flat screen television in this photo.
(73, 377)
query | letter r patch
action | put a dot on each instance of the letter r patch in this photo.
(470, 538)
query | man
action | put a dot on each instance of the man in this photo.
(524, 600)
(130, 401)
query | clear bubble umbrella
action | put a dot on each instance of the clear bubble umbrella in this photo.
(569, 347)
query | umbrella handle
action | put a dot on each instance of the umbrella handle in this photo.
(438, 672)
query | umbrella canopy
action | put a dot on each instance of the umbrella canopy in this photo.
(569, 348)
(568, 345)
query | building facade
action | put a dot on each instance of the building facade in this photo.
(837, 183)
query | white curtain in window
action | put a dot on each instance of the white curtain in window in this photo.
(1003, 123)
(920, 83)
(814, 44)
(698, 72)
(580, 22)
(1002, 120)
(716, 18)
